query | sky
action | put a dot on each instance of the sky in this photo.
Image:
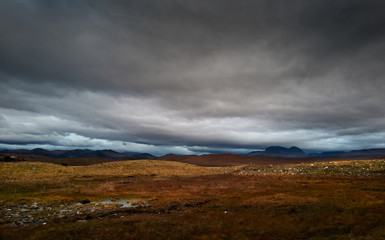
(192, 77)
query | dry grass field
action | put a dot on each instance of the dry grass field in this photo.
(147, 199)
(31, 171)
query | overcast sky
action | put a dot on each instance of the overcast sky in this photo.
(192, 77)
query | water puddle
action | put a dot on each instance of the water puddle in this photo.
(122, 203)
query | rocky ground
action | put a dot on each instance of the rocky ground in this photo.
(362, 168)
(41, 213)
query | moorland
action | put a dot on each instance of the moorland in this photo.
(160, 199)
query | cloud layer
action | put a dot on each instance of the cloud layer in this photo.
(192, 76)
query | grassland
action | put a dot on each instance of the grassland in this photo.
(171, 200)
(31, 171)
(45, 181)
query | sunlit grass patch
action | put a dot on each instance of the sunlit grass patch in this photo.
(34, 180)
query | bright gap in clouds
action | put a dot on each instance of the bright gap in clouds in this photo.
(192, 76)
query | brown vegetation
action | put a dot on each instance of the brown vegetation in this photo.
(228, 159)
(304, 201)
(223, 160)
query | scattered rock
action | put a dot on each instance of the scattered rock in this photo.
(85, 201)
(41, 213)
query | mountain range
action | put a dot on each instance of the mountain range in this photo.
(271, 155)
(272, 151)
(278, 151)
(79, 153)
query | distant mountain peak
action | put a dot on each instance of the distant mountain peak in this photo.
(279, 151)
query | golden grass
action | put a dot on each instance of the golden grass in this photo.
(35, 181)
(34, 171)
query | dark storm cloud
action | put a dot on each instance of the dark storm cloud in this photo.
(197, 75)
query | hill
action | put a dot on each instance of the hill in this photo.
(229, 159)
(366, 152)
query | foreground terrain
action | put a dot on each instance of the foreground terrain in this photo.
(147, 199)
